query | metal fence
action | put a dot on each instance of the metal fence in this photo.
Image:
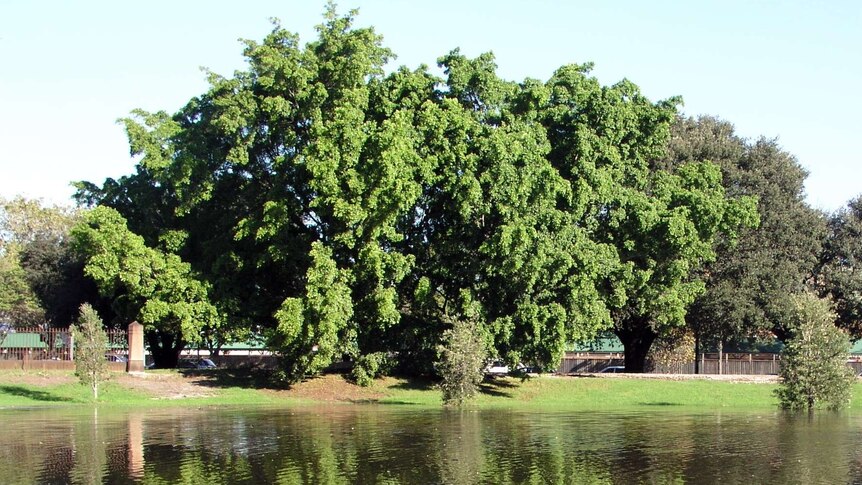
(36, 343)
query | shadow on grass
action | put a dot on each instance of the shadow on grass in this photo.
(227, 378)
(496, 387)
(31, 394)
(659, 403)
(415, 384)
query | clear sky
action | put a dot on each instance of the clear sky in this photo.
(790, 70)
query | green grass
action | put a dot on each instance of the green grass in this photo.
(598, 394)
(24, 389)
(15, 394)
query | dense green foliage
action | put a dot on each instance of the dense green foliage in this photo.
(41, 278)
(814, 372)
(155, 288)
(840, 272)
(18, 303)
(344, 212)
(751, 282)
(91, 343)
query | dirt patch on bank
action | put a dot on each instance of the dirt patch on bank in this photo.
(165, 385)
(330, 388)
(174, 385)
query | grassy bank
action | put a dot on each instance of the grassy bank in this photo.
(174, 388)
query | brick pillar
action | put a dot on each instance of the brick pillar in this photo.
(136, 348)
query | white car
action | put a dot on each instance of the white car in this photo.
(614, 369)
(497, 368)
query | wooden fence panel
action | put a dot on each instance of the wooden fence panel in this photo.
(734, 364)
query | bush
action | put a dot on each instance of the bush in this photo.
(369, 367)
(669, 353)
(461, 359)
(91, 342)
(814, 369)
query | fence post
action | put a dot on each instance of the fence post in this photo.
(135, 362)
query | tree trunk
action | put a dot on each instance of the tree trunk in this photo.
(696, 352)
(637, 338)
(165, 347)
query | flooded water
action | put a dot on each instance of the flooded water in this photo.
(402, 444)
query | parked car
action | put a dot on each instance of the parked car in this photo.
(196, 364)
(497, 368)
(613, 369)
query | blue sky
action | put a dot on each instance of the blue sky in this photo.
(790, 70)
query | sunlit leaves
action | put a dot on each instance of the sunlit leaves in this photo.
(158, 289)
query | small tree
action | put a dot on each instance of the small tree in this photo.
(91, 341)
(462, 357)
(670, 352)
(814, 369)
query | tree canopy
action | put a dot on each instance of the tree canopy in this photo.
(157, 289)
(346, 211)
(41, 279)
(750, 285)
(839, 274)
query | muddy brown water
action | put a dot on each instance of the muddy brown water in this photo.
(406, 444)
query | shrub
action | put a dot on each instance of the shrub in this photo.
(369, 367)
(814, 369)
(461, 359)
(669, 353)
(91, 342)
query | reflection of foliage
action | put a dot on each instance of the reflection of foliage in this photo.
(355, 445)
(672, 351)
(90, 451)
(460, 453)
(814, 371)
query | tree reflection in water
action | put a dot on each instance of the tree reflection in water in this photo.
(400, 444)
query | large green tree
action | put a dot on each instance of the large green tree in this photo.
(41, 278)
(276, 176)
(18, 303)
(839, 274)
(157, 289)
(494, 223)
(351, 212)
(660, 224)
(752, 280)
